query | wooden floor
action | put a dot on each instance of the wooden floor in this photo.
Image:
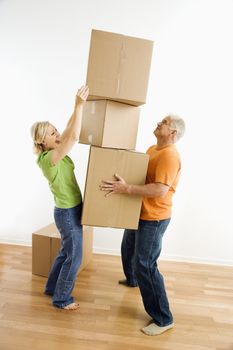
(111, 315)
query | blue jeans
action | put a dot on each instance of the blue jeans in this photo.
(140, 250)
(64, 270)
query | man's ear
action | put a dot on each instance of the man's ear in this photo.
(173, 134)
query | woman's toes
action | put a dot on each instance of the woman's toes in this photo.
(72, 306)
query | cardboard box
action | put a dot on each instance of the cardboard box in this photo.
(118, 67)
(46, 244)
(109, 124)
(117, 210)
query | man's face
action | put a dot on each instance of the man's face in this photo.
(163, 128)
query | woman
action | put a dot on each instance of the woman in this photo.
(58, 168)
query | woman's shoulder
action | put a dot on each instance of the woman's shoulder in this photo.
(44, 157)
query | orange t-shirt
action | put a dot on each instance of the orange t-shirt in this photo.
(164, 167)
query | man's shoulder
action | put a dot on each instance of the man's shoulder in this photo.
(151, 149)
(171, 150)
(171, 155)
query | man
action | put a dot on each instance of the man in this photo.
(141, 248)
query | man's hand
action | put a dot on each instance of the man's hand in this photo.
(152, 190)
(115, 186)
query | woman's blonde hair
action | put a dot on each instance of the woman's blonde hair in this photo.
(38, 132)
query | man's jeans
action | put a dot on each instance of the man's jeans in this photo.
(140, 250)
(64, 270)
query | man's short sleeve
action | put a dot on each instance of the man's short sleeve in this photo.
(167, 169)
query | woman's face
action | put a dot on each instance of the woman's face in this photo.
(52, 138)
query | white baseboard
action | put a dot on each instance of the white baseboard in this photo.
(98, 250)
(15, 241)
(178, 258)
(101, 250)
(196, 260)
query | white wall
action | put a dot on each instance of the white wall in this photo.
(43, 59)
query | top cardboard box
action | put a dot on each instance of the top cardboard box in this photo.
(118, 67)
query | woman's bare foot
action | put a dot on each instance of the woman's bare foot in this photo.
(72, 306)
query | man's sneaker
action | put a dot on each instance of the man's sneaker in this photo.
(127, 284)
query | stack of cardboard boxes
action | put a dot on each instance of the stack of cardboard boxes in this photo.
(118, 73)
(117, 76)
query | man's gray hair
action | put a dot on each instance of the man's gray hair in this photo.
(177, 124)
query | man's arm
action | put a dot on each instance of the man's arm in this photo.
(154, 190)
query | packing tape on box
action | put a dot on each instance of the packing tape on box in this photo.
(122, 59)
(90, 137)
(118, 86)
(93, 107)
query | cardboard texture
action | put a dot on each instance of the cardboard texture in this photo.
(46, 244)
(109, 124)
(118, 210)
(118, 67)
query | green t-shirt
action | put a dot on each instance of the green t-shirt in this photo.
(62, 181)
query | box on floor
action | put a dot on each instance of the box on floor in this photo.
(46, 244)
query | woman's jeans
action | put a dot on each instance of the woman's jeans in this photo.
(140, 250)
(64, 270)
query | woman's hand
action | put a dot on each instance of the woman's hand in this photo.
(118, 186)
(72, 131)
(81, 95)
